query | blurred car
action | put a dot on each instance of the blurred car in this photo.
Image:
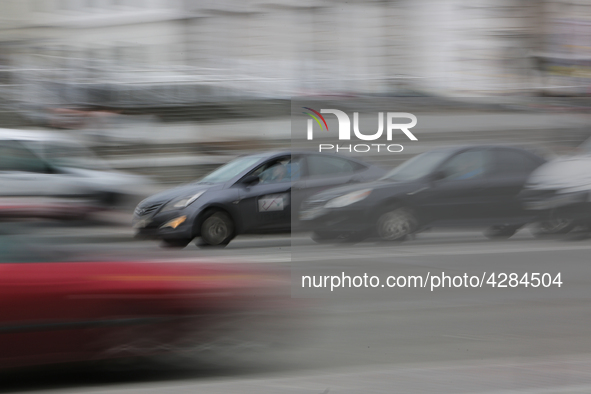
(47, 174)
(58, 309)
(559, 194)
(253, 193)
(462, 186)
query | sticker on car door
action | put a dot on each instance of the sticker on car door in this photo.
(273, 202)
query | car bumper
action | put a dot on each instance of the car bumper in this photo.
(576, 206)
(156, 233)
(356, 219)
(556, 201)
(579, 212)
(155, 227)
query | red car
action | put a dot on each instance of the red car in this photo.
(54, 312)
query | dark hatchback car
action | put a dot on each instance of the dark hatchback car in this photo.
(252, 194)
(474, 186)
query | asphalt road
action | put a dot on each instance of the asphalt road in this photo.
(381, 339)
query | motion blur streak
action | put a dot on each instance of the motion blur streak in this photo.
(91, 309)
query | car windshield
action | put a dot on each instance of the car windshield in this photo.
(417, 167)
(230, 170)
(65, 154)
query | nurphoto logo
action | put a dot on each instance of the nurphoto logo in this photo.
(344, 130)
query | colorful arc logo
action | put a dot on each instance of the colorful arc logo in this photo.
(316, 118)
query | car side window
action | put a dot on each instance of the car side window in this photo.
(285, 169)
(510, 161)
(328, 165)
(471, 164)
(15, 157)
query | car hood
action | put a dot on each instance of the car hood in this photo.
(570, 173)
(179, 191)
(342, 190)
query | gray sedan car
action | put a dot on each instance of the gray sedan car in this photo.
(252, 194)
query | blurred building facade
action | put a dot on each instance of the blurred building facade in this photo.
(565, 62)
(131, 53)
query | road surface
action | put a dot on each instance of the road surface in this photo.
(382, 339)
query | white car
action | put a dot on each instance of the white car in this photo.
(48, 174)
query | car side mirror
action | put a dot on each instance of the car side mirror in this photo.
(249, 180)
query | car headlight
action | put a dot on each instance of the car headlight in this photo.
(181, 203)
(174, 223)
(348, 199)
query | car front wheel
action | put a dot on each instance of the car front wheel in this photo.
(217, 230)
(396, 224)
(554, 226)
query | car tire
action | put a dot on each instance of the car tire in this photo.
(217, 230)
(555, 226)
(501, 232)
(396, 224)
(174, 243)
